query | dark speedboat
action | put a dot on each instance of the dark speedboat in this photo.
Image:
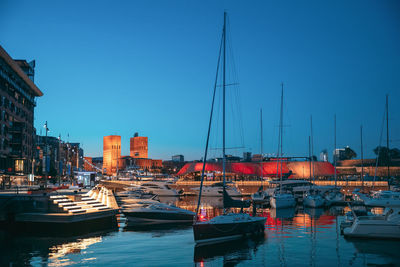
(229, 225)
(158, 213)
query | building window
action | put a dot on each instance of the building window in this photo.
(19, 165)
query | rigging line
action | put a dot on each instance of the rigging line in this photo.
(240, 118)
(215, 135)
(279, 143)
(233, 115)
(289, 133)
(208, 134)
(229, 84)
(237, 91)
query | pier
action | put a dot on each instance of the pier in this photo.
(61, 210)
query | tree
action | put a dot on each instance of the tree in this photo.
(349, 153)
(385, 156)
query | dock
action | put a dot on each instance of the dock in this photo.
(59, 210)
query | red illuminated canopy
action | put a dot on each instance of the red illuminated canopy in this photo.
(299, 169)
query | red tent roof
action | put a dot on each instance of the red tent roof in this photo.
(300, 169)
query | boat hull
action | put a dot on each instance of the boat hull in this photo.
(206, 233)
(217, 192)
(157, 217)
(314, 202)
(370, 230)
(278, 202)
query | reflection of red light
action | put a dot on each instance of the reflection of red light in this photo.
(202, 218)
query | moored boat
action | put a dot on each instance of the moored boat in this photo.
(282, 200)
(313, 199)
(229, 225)
(387, 226)
(380, 198)
(158, 213)
(215, 190)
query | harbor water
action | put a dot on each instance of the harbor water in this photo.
(293, 237)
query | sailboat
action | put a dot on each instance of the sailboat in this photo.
(228, 226)
(387, 198)
(334, 196)
(313, 198)
(281, 199)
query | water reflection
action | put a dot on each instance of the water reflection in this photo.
(158, 230)
(232, 252)
(282, 213)
(45, 250)
(377, 247)
(314, 213)
(293, 237)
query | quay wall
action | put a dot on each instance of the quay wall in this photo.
(250, 187)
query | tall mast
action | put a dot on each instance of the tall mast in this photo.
(223, 108)
(261, 145)
(309, 154)
(312, 151)
(281, 139)
(387, 135)
(334, 151)
(362, 157)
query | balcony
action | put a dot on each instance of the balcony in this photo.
(17, 141)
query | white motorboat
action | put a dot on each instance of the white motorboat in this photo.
(135, 192)
(349, 218)
(133, 197)
(136, 203)
(158, 213)
(297, 187)
(216, 190)
(387, 226)
(282, 200)
(159, 188)
(380, 198)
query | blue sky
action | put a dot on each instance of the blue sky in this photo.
(120, 67)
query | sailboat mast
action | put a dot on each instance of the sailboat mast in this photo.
(312, 151)
(281, 139)
(334, 151)
(261, 145)
(223, 107)
(362, 157)
(387, 135)
(309, 154)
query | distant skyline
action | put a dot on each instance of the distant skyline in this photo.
(116, 68)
